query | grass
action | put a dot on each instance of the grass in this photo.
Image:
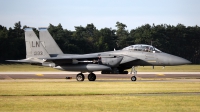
(99, 96)
(92, 88)
(28, 67)
(100, 103)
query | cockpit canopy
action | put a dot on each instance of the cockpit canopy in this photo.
(142, 47)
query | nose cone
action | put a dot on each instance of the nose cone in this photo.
(175, 60)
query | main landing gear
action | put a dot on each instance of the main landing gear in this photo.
(81, 77)
(133, 71)
(91, 77)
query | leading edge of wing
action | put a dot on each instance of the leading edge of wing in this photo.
(71, 57)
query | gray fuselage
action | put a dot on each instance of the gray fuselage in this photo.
(138, 58)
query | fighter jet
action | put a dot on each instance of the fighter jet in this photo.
(46, 52)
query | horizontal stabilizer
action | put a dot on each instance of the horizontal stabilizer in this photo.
(28, 60)
(22, 61)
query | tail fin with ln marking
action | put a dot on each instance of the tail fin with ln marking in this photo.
(34, 47)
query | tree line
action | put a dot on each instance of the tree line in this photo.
(177, 40)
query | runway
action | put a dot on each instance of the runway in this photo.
(114, 77)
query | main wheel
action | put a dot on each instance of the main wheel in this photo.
(80, 77)
(133, 78)
(91, 77)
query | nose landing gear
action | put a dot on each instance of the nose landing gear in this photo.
(133, 71)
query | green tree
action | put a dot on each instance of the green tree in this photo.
(122, 35)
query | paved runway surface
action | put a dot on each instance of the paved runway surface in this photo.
(114, 77)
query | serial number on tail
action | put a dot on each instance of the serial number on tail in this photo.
(38, 53)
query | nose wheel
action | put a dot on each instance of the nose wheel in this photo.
(133, 71)
(133, 78)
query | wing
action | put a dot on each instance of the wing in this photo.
(106, 59)
(75, 59)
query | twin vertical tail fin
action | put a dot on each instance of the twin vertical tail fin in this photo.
(49, 43)
(37, 49)
(34, 47)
